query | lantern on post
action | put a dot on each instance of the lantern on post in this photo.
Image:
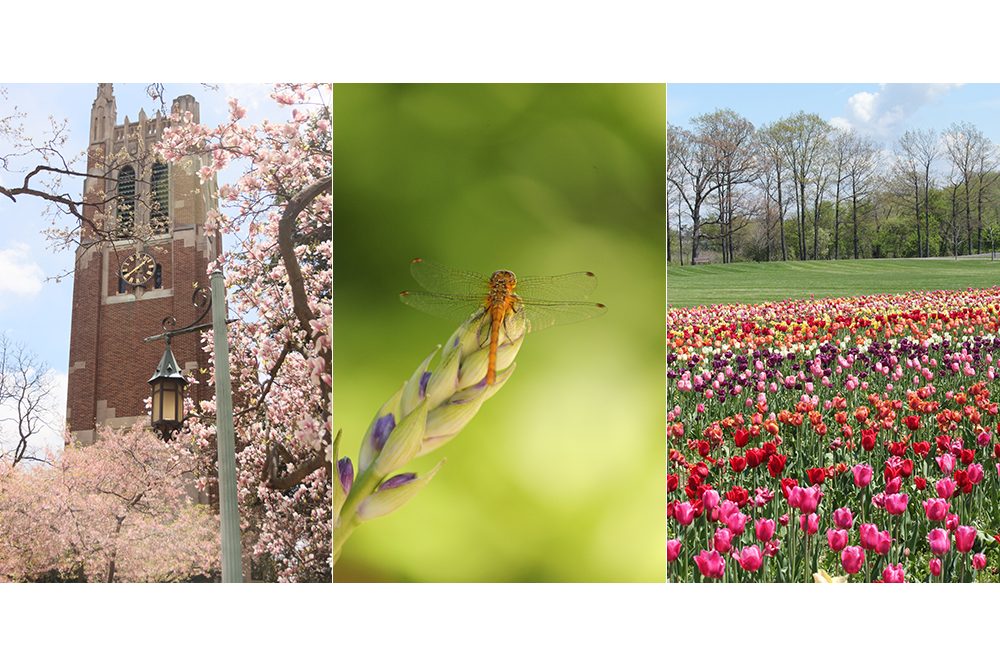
(168, 395)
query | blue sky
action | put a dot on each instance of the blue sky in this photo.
(34, 310)
(884, 111)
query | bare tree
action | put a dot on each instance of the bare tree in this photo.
(26, 400)
(804, 137)
(691, 168)
(916, 151)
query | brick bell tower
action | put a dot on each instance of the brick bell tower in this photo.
(142, 265)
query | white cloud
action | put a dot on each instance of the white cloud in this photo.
(882, 112)
(19, 275)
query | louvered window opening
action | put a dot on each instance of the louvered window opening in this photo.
(126, 202)
(160, 199)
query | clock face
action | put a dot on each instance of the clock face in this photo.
(138, 268)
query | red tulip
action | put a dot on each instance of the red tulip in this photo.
(672, 482)
(920, 483)
(787, 484)
(738, 463)
(742, 437)
(738, 495)
(912, 422)
(852, 558)
(965, 537)
(868, 439)
(816, 475)
(754, 457)
(776, 464)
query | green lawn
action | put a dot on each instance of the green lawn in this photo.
(750, 282)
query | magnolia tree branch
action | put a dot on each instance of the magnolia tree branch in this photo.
(304, 314)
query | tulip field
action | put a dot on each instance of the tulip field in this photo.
(851, 439)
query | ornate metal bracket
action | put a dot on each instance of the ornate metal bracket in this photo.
(202, 298)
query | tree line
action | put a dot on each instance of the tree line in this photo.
(802, 189)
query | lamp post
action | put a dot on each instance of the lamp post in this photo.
(168, 413)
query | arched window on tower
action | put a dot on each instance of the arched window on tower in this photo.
(160, 199)
(126, 202)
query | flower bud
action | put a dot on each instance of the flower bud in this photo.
(394, 493)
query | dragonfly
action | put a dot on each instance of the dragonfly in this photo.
(487, 304)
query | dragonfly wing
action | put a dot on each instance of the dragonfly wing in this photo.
(568, 287)
(453, 307)
(544, 314)
(436, 277)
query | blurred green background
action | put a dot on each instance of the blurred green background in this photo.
(561, 475)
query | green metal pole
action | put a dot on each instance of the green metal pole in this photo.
(232, 556)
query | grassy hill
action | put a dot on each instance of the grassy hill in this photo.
(774, 281)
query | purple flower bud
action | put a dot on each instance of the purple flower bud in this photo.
(383, 427)
(397, 480)
(345, 469)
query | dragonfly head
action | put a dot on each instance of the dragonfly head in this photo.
(504, 278)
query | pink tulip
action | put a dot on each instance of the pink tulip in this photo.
(940, 541)
(837, 539)
(710, 499)
(723, 540)
(842, 518)
(965, 537)
(750, 559)
(736, 522)
(862, 475)
(852, 558)
(771, 548)
(896, 503)
(945, 487)
(935, 566)
(946, 462)
(727, 509)
(809, 499)
(673, 550)
(894, 574)
(951, 521)
(869, 536)
(936, 508)
(809, 523)
(975, 472)
(710, 564)
(764, 528)
(684, 513)
(979, 561)
(883, 543)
